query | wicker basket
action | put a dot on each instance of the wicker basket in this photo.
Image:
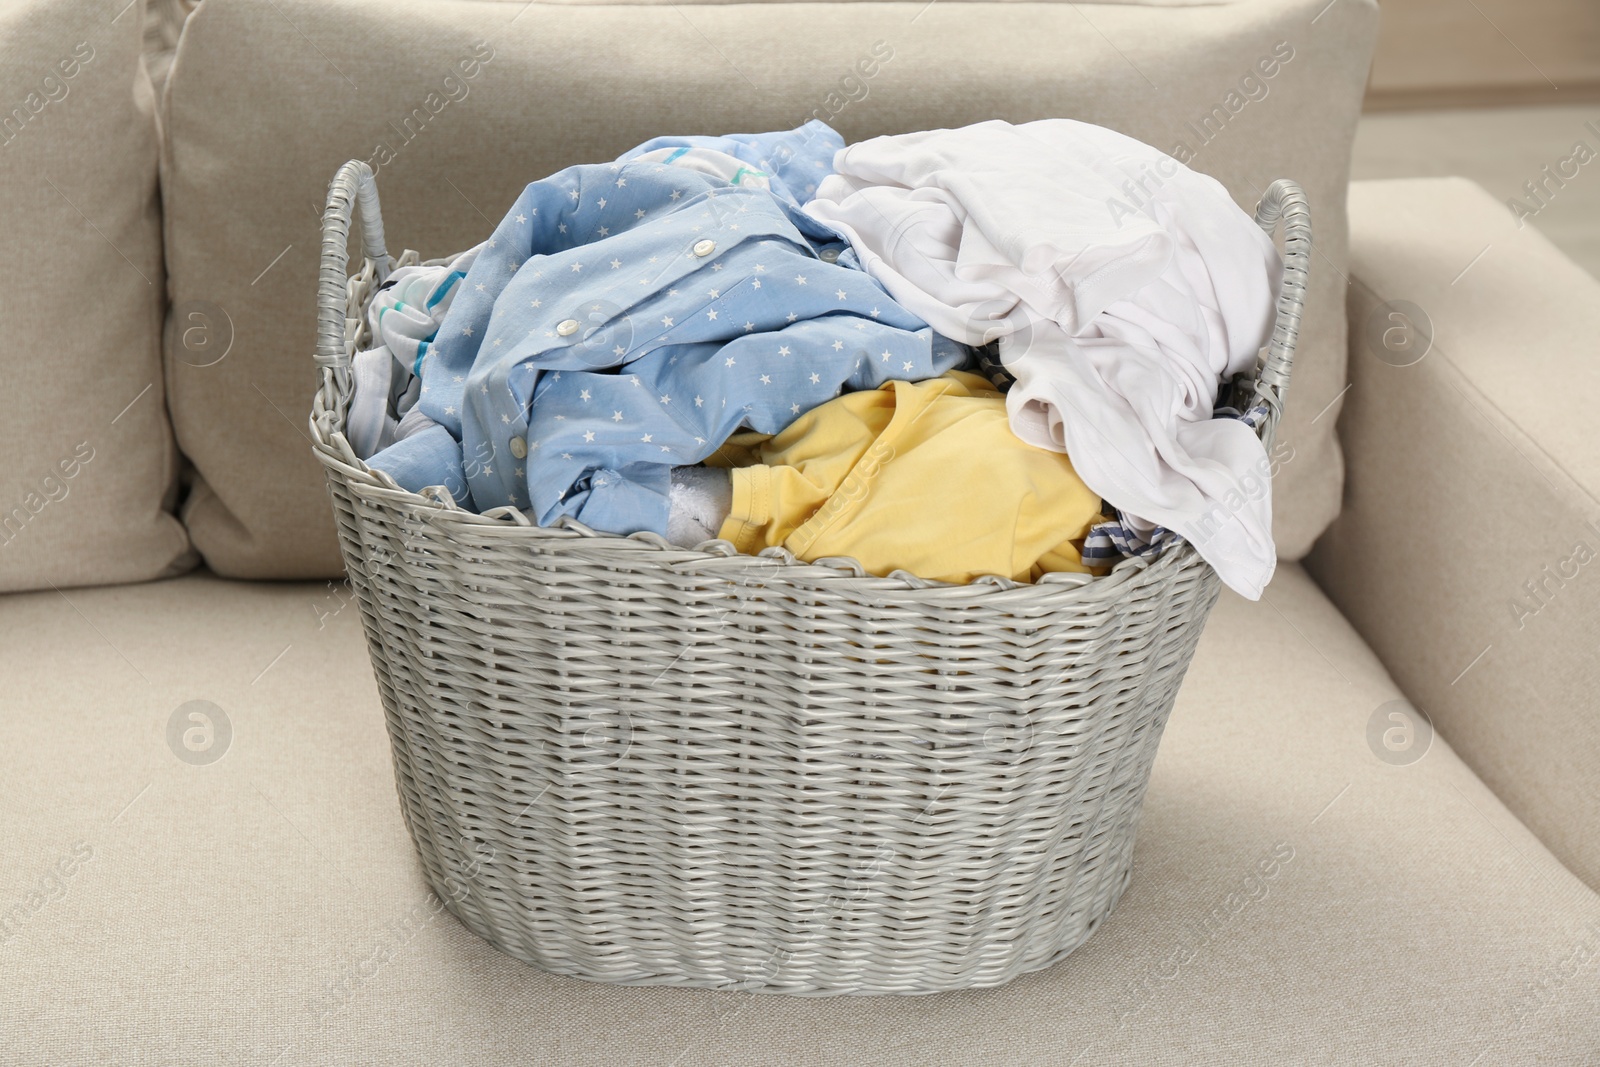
(640, 764)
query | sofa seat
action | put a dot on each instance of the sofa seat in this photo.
(1295, 898)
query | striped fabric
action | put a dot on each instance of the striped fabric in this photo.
(1108, 542)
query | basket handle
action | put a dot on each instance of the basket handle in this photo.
(1285, 202)
(354, 182)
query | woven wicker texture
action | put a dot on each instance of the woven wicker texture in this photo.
(641, 764)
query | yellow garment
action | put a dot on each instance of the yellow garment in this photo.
(921, 476)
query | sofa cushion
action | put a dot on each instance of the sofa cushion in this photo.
(459, 105)
(90, 472)
(248, 893)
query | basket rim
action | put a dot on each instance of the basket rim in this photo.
(718, 559)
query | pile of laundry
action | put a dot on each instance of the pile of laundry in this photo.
(992, 350)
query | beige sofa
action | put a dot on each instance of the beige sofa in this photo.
(1321, 875)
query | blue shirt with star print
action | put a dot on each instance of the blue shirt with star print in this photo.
(626, 318)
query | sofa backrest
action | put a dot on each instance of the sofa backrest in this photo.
(459, 105)
(90, 472)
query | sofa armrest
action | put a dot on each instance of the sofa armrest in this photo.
(1468, 549)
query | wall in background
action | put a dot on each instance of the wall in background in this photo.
(1485, 53)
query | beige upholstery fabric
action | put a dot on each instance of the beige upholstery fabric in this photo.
(1294, 900)
(267, 99)
(163, 24)
(89, 470)
(1468, 552)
